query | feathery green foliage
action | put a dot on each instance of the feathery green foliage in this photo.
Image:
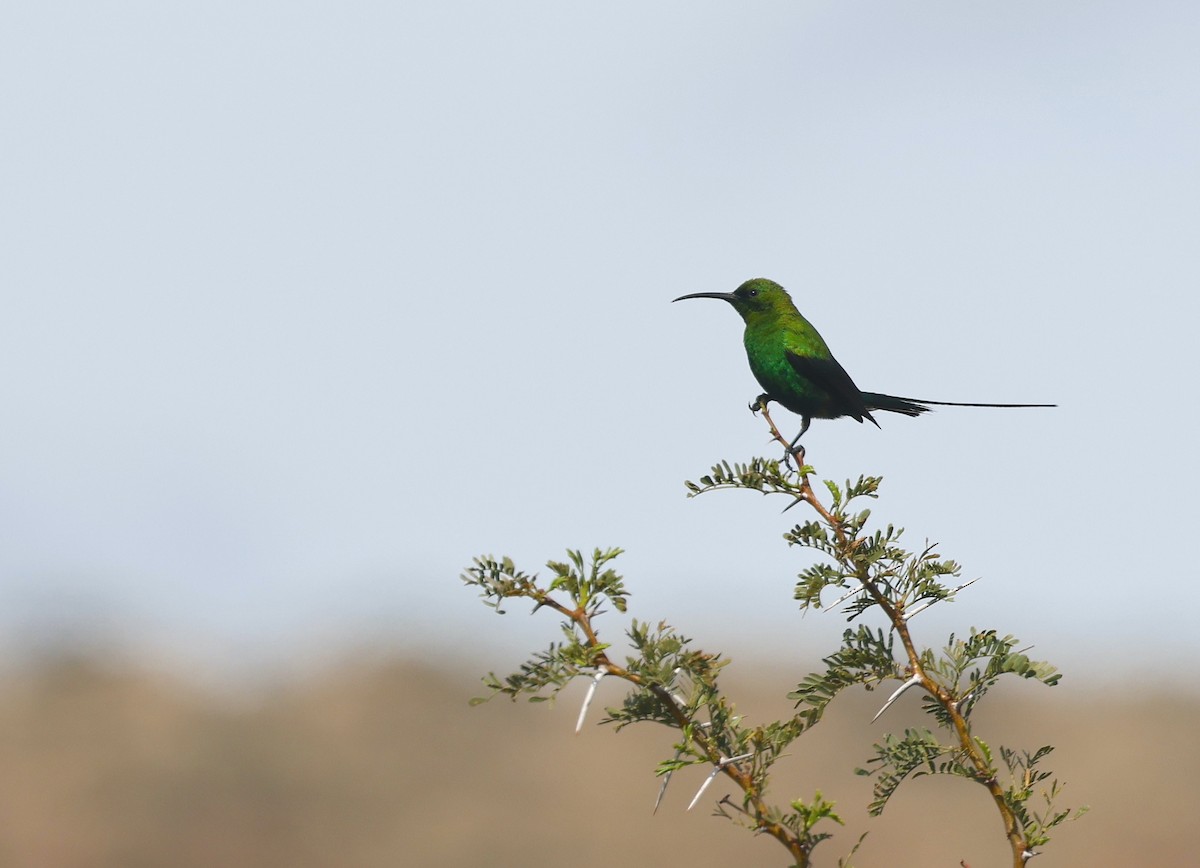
(872, 575)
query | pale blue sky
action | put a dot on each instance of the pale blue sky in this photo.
(308, 304)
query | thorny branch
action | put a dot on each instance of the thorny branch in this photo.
(983, 772)
(760, 812)
(856, 559)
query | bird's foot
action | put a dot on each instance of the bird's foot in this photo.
(794, 451)
(759, 403)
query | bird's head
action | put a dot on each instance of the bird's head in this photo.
(755, 299)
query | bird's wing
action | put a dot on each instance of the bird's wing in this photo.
(828, 375)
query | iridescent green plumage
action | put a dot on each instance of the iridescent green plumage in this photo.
(793, 364)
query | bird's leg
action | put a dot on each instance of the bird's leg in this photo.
(796, 452)
(790, 449)
(794, 448)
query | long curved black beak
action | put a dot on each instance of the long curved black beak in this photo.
(724, 296)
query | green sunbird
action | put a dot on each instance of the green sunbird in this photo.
(792, 362)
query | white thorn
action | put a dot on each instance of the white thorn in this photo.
(926, 605)
(843, 598)
(916, 679)
(921, 608)
(675, 693)
(587, 700)
(1029, 854)
(704, 786)
(725, 761)
(663, 790)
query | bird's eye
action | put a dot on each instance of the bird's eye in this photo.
(752, 293)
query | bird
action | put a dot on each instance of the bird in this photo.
(795, 367)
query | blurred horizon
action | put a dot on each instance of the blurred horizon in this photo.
(378, 761)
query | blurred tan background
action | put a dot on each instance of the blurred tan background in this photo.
(380, 762)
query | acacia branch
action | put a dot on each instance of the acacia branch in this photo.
(984, 774)
(745, 781)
